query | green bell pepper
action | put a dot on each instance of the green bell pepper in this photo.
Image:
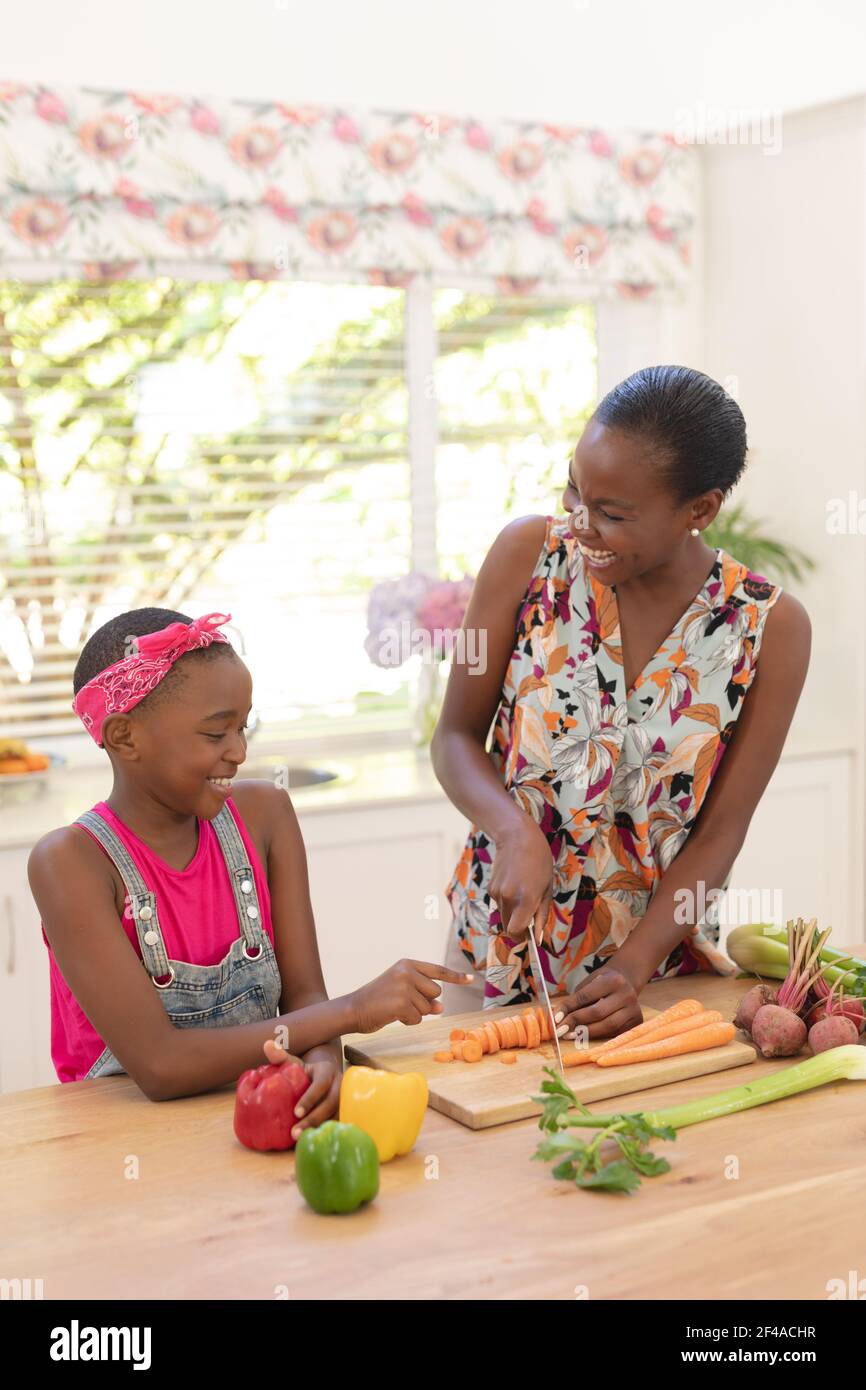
(336, 1167)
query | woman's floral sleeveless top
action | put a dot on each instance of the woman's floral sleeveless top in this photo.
(615, 779)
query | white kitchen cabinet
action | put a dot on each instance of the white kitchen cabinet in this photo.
(800, 856)
(376, 884)
(378, 867)
(25, 1016)
(800, 842)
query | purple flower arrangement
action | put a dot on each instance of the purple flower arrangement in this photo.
(415, 615)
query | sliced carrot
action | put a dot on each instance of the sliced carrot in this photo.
(509, 1032)
(509, 1058)
(698, 1040)
(456, 1035)
(544, 1024)
(492, 1038)
(497, 1025)
(533, 1032)
(472, 1035)
(442, 1057)
(684, 1009)
(521, 1030)
(472, 1050)
(457, 1051)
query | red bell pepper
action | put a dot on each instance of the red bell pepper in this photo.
(265, 1103)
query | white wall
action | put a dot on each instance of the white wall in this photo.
(596, 62)
(785, 315)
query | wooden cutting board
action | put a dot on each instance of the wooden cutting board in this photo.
(480, 1094)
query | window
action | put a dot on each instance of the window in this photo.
(245, 447)
(515, 384)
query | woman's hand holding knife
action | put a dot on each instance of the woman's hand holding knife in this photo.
(521, 885)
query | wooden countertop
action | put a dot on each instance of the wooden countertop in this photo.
(108, 1195)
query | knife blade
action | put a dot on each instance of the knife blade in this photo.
(541, 985)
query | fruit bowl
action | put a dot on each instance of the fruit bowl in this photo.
(18, 787)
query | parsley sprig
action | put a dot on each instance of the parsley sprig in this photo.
(581, 1161)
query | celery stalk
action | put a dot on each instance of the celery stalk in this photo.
(847, 1063)
(580, 1161)
(761, 948)
(757, 950)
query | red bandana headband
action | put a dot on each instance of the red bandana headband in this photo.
(121, 687)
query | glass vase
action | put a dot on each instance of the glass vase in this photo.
(427, 696)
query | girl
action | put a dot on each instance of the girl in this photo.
(201, 883)
(633, 735)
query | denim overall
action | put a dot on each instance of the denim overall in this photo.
(242, 988)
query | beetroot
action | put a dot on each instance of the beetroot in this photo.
(834, 1030)
(829, 1003)
(852, 1009)
(750, 1003)
(777, 1031)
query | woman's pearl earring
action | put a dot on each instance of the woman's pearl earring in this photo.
(694, 531)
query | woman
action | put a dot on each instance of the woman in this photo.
(633, 738)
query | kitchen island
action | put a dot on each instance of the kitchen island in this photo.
(109, 1195)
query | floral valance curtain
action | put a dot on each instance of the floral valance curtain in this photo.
(124, 184)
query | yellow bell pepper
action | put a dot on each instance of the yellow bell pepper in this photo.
(387, 1105)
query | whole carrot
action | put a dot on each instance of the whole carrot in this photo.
(683, 1009)
(698, 1040)
(681, 1025)
(577, 1056)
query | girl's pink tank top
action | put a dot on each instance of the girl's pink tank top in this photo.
(197, 915)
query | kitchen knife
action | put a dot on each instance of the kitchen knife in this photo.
(541, 989)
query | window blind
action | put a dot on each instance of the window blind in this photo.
(240, 446)
(245, 447)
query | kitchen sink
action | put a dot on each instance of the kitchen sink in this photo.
(291, 776)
